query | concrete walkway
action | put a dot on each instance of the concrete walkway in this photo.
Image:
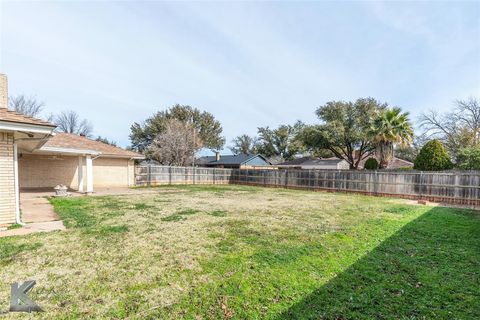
(37, 214)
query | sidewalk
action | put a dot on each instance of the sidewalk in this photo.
(37, 214)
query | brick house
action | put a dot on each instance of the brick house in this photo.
(33, 155)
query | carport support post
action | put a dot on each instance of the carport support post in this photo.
(80, 174)
(89, 164)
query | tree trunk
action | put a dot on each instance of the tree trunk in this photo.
(384, 154)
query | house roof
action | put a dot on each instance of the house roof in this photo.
(395, 163)
(236, 159)
(72, 141)
(322, 162)
(310, 161)
(15, 117)
(295, 162)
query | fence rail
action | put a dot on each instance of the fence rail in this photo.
(458, 187)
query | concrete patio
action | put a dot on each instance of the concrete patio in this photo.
(38, 214)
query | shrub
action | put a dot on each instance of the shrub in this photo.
(371, 164)
(433, 157)
(469, 158)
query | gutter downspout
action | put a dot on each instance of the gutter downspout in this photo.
(17, 187)
(18, 219)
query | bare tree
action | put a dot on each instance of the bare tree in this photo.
(176, 145)
(29, 106)
(70, 122)
(457, 129)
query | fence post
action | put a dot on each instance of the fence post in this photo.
(213, 175)
(310, 184)
(194, 172)
(149, 177)
(169, 175)
(375, 182)
(420, 185)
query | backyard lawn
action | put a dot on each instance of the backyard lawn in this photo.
(235, 252)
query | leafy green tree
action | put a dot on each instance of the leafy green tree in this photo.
(244, 144)
(105, 140)
(371, 164)
(390, 127)
(209, 129)
(433, 157)
(469, 158)
(344, 130)
(281, 142)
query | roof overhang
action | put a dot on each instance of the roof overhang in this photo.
(69, 151)
(82, 152)
(27, 136)
(31, 128)
(121, 157)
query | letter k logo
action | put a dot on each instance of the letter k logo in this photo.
(19, 301)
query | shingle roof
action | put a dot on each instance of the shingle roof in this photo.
(236, 159)
(73, 141)
(294, 162)
(395, 163)
(317, 162)
(15, 117)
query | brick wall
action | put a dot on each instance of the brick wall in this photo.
(44, 171)
(111, 172)
(7, 179)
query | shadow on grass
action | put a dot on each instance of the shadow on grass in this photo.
(428, 269)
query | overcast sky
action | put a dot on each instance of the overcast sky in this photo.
(250, 64)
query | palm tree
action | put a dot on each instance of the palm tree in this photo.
(389, 128)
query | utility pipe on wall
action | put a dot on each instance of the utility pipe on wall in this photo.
(17, 187)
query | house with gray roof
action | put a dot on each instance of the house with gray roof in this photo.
(314, 163)
(236, 161)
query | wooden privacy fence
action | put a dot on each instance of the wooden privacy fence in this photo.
(457, 187)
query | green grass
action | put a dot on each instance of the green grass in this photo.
(180, 215)
(378, 269)
(228, 252)
(218, 213)
(10, 248)
(14, 226)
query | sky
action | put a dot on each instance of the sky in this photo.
(250, 64)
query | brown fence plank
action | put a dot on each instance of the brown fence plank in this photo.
(452, 186)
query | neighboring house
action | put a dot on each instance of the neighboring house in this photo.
(334, 163)
(238, 161)
(314, 163)
(396, 163)
(32, 155)
(77, 162)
